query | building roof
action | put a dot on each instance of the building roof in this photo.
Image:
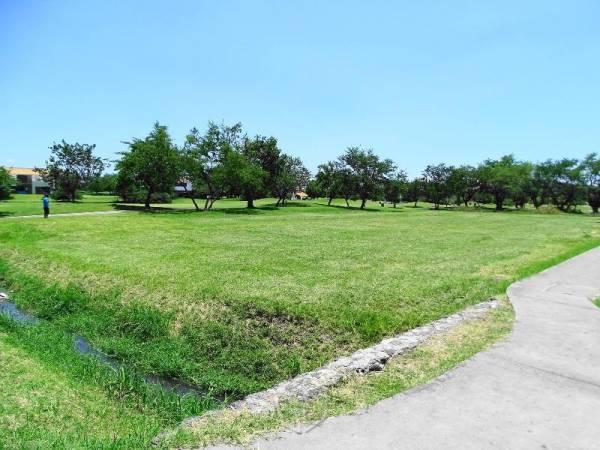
(21, 171)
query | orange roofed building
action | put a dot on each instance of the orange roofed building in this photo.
(28, 181)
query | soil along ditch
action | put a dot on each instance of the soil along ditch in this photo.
(82, 346)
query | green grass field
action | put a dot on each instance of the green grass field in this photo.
(42, 406)
(234, 301)
(31, 204)
(28, 205)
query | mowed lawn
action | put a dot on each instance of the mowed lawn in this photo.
(31, 204)
(235, 301)
(43, 407)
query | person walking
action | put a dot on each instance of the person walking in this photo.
(46, 203)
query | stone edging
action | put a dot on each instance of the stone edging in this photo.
(309, 385)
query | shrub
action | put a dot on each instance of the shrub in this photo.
(62, 195)
(140, 197)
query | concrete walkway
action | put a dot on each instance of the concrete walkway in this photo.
(540, 389)
(88, 213)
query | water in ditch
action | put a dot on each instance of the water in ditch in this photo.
(82, 346)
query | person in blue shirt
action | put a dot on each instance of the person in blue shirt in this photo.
(46, 203)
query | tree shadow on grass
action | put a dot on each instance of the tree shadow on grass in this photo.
(154, 209)
(169, 210)
(367, 209)
(508, 210)
(270, 207)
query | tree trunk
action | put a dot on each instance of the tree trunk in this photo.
(250, 203)
(499, 203)
(212, 202)
(192, 197)
(329, 202)
(277, 204)
(206, 203)
(363, 203)
(347, 204)
(147, 204)
(595, 209)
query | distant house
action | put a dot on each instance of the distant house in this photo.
(299, 195)
(28, 181)
(183, 187)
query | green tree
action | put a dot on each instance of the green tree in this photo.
(313, 189)
(368, 171)
(290, 175)
(436, 177)
(103, 183)
(328, 180)
(203, 156)
(70, 167)
(241, 176)
(394, 187)
(263, 152)
(414, 190)
(538, 185)
(501, 177)
(566, 189)
(463, 184)
(521, 189)
(590, 167)
(346, 182)
(153, 163)
(6, 183)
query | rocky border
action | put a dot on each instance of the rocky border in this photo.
(311, 384)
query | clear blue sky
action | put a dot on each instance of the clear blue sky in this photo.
(418, 81)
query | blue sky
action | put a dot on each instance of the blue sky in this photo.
(419, 82)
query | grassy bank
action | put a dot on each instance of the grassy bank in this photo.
(53, 397)
(40, 407)
(234, 301)
(429, 361)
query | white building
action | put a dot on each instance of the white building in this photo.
(28, 181)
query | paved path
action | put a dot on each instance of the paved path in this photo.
(540, 389)
(89, 213)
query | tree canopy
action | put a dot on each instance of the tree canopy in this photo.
(590, 171)
(6, 183)
(367, 171)
(152, 164)
(224, 161)
(70, 167)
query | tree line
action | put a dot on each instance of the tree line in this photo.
(223, 161)
(360, 174)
